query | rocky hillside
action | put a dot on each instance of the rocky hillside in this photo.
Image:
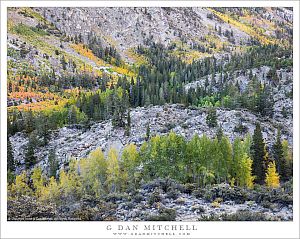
(198, 32)
(77, 141)
(133, 26)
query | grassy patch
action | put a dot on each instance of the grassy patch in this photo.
(24, 30)
(34, 36)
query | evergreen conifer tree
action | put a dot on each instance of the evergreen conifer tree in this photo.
(128, 126)
(258, 155)
(211, 118)
(279, 157)
(148, 131)
(219, 133)
(53, 163)
(288, 156)
(10, 157)
(30, 158)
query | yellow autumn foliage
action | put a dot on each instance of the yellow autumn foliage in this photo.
(85, 51)
(38, 181)
(272, 177)
(243, 27)
(113, 171)
(20, 187)
(52, 191)
(245, 177)
(92, 172)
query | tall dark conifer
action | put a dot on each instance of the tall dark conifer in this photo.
(211, 118)
(10, 157)
(53, 163)
(148, 131)
(279, 157)
(30, 158)
(258, 154)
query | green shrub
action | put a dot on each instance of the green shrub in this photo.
(173, 194)
(165, 214)
(154, 197)
(138, 198)
(189, 188)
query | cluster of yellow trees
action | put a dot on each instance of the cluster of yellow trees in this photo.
(94, 175)
(163, 156)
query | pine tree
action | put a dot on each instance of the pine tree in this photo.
(72, 115)
(264, 105)
(128, 126)
(53, 163)
(29, 122)
(120, 99)
(148, 131)
(128, 119)
(211, 118)
(272, 177)
(63, 63)
(267, 159)
(10, 157)
(258, 155)
(279, 157)
(288, 156)
(30, 158)
(219, 133)
(43, 128)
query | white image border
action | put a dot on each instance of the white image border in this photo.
(99, 229)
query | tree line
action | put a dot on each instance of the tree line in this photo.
(200, 160)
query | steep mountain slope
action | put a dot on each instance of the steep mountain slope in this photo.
(105, 101)
(126, 28)
(47, 45)
(134, 26)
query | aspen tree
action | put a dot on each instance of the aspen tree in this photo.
(113, 171)
(272, 177)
